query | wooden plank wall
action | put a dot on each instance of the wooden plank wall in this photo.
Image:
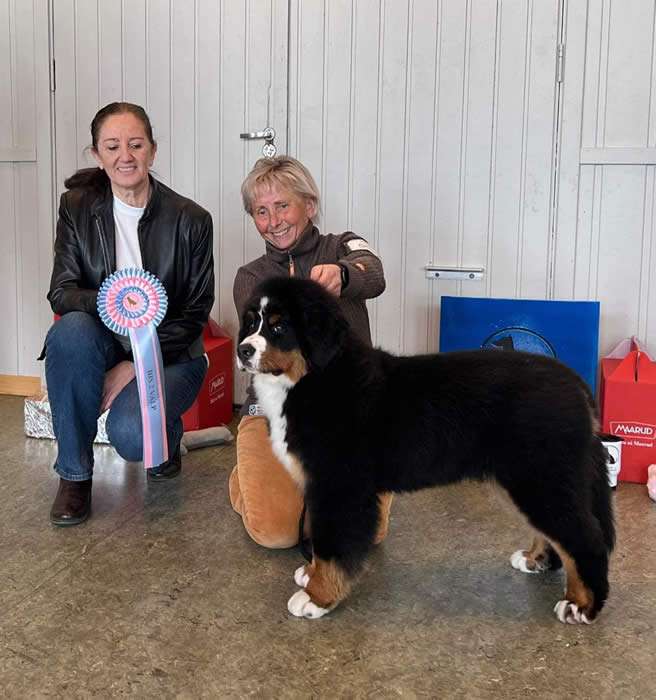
(25, 189)
(607, 193)
(430, 128)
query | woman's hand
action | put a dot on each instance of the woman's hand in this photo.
(116, 380)
(329, 277)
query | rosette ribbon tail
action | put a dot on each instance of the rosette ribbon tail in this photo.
(150, 383)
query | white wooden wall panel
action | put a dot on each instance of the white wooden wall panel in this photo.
(183, 98)
(539, 133)
(479, 130)
(205, 71)
(607, 247)
(364, 155)
(27, 249)
(571, 109)
(158, 85)
(110, 58)
(430, 128)
(8, 281)
(448, 86)
(420, 145)
(134, 46)
(17, 81)
(6, 81)
(391, 167)
(25, 183)
(629, 72)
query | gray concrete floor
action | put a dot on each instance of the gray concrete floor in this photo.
(162, 594)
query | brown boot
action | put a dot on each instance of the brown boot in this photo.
(72, 504)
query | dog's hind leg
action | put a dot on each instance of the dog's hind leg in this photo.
(581, 602)
(575, 523)
(585, 545)
(581, 549)
(541, 557)
(585, 550)
(581, 545)
(578, 603)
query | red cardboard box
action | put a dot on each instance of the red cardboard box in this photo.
(628, 406)
(213, 405)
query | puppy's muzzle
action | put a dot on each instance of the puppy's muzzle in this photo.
(245, 353)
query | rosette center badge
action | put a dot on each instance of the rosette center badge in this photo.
(131, 298)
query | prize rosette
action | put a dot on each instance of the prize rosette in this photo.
(133, 302)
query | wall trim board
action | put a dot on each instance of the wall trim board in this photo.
(19, 386)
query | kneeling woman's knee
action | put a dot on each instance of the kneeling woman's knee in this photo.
(124, 432)
(73, 333)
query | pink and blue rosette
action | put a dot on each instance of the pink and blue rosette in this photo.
(133, 302)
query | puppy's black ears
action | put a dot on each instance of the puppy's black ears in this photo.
(325, 335)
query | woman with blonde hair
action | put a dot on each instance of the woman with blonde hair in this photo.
(282, 197)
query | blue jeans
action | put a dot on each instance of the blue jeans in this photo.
(79, 351)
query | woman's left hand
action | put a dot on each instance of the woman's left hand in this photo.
(116, 380)
(329, 277)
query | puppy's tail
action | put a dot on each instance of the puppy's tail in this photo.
(602, 503)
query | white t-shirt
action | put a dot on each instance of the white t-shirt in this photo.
(128, 253)
(126, 220)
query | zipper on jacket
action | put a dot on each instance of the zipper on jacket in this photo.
(291, 265)
(101, 236)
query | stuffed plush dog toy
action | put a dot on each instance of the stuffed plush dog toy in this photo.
(525, 421)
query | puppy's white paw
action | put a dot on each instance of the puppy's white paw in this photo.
(300, 605)
(300, 577)
(518, 561)
(569, 612)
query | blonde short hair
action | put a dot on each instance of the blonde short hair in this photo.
(283, 172)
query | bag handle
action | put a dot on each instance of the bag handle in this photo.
(624, 347)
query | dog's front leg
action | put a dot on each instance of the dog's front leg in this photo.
(343, 527)
(324, 584)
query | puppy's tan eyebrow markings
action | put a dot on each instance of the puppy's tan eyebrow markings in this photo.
(274, 318)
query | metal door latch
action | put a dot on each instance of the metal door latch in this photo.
(269, 134)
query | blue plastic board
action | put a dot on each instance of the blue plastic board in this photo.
(568, 330)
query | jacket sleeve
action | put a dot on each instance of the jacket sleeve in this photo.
(66, 293)
(366, 278)
(185, 324)
(243, 287)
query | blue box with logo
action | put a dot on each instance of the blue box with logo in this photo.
(567, 330)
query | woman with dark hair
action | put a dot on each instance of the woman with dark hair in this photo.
(112, 217)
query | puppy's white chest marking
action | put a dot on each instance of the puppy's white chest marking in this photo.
(271, 394)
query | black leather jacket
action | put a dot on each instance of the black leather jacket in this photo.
(175, 238)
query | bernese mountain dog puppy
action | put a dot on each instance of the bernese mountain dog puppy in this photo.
(525, 421)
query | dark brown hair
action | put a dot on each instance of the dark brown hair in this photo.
(95, 177)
